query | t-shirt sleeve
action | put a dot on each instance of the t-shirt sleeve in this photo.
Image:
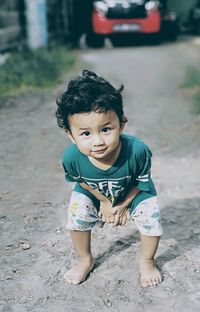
(143, 169)
(69, 165)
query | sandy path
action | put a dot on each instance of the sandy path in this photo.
(35, 248)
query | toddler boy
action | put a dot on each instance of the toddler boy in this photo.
(111, 170)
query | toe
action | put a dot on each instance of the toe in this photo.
(144, 282)
(67, 278)
(151, 282)
(156, 280)
(75, 280)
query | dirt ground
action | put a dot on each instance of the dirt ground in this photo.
(36, 250)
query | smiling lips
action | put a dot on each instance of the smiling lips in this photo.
(100, 150)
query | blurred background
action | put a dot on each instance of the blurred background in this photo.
(40, 23)
(33, 33)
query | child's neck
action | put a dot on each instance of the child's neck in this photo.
(107, 162)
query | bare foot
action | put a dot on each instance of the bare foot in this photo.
(149, 274)
(80, 271)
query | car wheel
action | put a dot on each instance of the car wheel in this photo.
(172, 35)
(197, 28)
(170, 31)
(154, 38)
(94, 41)
(117, 41)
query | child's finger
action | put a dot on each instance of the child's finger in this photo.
(114, 210)
(116, 222)
(123, 220)
(128, 215)
(107, 219)
(100, 213)
(103, 218)
(112, 219)
(120, 220)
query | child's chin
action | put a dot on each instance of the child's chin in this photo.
(99, 156)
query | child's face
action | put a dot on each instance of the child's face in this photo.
(96, 134)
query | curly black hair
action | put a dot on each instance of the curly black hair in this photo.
(88, 93)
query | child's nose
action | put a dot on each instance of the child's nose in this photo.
(98, 140)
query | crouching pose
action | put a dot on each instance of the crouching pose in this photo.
(112, 171)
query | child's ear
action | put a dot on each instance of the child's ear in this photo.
(123, 122)
(68, 132)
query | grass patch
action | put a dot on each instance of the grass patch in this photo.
(192, 83)
(196, 102)
(34, 69)
(192, 78)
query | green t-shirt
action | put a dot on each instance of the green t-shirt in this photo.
(132, 168)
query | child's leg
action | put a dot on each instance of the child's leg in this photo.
(147, 218)
(82, 217)
(149, 274)
(82, 244)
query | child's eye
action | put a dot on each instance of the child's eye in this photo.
(106, 129)
(85, 133)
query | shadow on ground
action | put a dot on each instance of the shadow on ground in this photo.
(180, 222)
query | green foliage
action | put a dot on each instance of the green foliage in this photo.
(196, 101)
(41, 68)
(192, 78)
(192, 81)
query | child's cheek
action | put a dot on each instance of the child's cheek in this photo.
(84, 146)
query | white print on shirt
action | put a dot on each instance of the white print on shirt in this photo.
(111, 188)
(145, 177)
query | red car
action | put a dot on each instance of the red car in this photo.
(111, 18)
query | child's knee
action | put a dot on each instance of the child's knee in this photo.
(82, 213)
(147, 217)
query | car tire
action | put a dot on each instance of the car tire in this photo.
(172, 35)
(94, 41)
(197, 28)
(117, 41)
(154, 38)
(170, 32)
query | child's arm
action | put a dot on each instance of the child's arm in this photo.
(142, 154)
(121, 210)
(106, 208)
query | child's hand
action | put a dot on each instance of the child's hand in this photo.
(121, 215)
(106, 212)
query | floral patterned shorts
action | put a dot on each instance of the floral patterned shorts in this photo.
(83, 215)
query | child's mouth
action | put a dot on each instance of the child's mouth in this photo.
(100, 151)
